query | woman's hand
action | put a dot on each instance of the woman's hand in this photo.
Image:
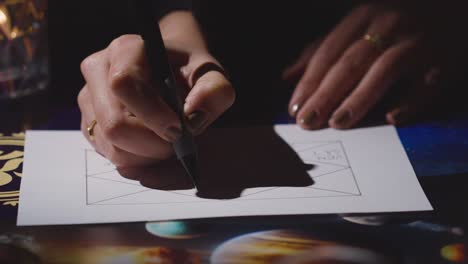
(134, 126)
(342, 76)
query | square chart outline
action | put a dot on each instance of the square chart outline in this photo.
(292, 144)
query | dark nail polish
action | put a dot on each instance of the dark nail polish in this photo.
(197, 120)
(173, 133)
(341, 118)
(310, 119)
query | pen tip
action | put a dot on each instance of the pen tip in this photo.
(190, 165)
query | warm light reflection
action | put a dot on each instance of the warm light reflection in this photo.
(14, 33)
(454, 252)
(3, 17)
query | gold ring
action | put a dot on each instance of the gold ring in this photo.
(91, 129)
(375, 39)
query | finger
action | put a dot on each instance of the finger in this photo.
(128, 81)
(419, 100)
(211, 95)
(143, 142)
(119, 128)
(118, 157)
(341, 79)
(344, 75)
(349, 29)
(87, 116)
(297, 69)
(87, 113)
(382, 74)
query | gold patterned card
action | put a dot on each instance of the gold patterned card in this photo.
(11, 163)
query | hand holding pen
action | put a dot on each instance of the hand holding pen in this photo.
(123, 113)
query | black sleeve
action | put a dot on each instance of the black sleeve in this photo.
(163, 7)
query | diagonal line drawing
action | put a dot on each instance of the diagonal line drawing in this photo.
(352, 194)
(327, 163)
(99, 173)
(330, 156)
(312, 147)
(245, 195)
(100, 201)
(347, 160)
(136, 183)
(320, 175)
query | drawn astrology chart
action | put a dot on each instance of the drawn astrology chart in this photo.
(331, 172)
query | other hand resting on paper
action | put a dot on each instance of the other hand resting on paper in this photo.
(344, 75)
(134, 126)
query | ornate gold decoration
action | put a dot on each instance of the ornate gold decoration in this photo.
(10, 169)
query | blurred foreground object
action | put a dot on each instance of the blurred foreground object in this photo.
(23, 48)
(24, 63)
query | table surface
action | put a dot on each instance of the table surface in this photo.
(437, 150)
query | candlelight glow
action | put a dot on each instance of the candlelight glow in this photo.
(3, 17)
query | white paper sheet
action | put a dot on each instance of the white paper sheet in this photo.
(354, 171)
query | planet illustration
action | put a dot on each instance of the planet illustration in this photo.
(291, 246)
(177, 229)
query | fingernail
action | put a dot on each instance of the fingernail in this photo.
(173, 133)
(310, 120)
(294, 109)
(341, 118)
(197, 120)
(400, 116)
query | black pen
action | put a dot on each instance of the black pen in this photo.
(160, 69)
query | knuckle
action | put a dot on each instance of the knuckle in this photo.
(90, 63)
(307, 83)
(81, 98)
(350, 63)
(126, 81)
(230, 94)
(121, 43)
(117, 157)
(112, 129)
(215, 89)
(120, 81)
(327, 51)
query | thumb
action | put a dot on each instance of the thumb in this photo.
(210, 96)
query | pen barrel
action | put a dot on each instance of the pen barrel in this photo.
(170, 93)
(184, 146)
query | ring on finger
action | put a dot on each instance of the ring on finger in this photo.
(91, 129)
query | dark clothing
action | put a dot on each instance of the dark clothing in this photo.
(256, 40)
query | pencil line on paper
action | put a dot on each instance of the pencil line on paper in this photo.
(327, 163)
(260, 191)
(352, 172)
(227, 201)
(128, 194)
(328, 173)
(312, 147)
(104, 179)
(353, 194)
(102, 172)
